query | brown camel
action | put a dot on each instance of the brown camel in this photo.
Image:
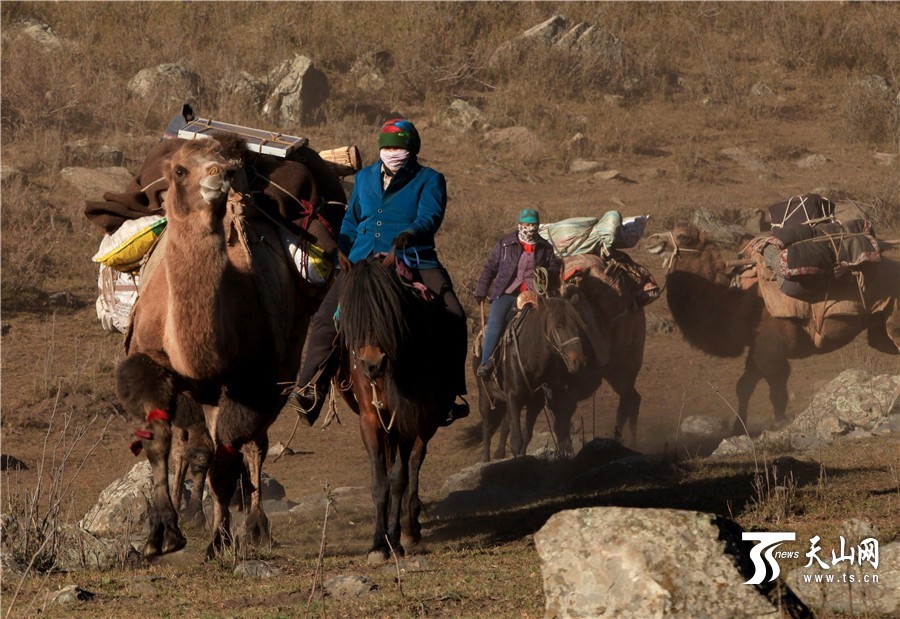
(222, 320)
(723, 321)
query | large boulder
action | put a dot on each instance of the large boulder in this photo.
(243, 87)
(627, 562)
(853, 400)
(598, 53)
(89, 183)
(300, 92)
(172, 83)
(123, 505)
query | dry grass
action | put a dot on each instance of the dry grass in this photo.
(683, 91)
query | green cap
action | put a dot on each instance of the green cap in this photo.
(529, 216)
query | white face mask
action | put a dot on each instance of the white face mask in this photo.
(394, 158)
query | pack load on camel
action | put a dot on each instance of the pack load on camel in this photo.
(297, 188)
(813, 265)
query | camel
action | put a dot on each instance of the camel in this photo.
(221, 319)
(723, 321)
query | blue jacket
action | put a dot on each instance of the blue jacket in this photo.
(503, 263)
(415, 201)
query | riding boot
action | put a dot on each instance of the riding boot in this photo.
(321, 362)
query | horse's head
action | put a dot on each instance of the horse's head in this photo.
(564, 328)
(371, 359)
(373, 316)
(200, 176)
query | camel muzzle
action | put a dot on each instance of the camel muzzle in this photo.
(216, 184)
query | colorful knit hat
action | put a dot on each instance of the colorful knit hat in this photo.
(529, 216)
(399, 133)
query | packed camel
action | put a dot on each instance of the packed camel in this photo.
(700, 294)
(205, 328)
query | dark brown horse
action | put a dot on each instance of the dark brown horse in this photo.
(398, 356)
(545, 350)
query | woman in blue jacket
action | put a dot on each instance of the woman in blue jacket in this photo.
(396, 202)
(510, 268)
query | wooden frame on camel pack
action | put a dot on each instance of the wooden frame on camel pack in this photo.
(345, 160)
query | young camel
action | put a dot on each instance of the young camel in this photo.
(205, 326)
(723, 321)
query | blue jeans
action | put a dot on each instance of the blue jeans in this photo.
(495, 324)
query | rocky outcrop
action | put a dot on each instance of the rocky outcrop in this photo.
(168, 82)
(626, 562)
(300, 92)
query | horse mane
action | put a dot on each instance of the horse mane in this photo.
(377, 308)
(546, 310)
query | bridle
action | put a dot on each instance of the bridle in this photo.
(669, 263)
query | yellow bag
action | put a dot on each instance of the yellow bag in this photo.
(125, 248)
(313, 264)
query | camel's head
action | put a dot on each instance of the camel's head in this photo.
(687, 248)
(682, 236)
(200, 175)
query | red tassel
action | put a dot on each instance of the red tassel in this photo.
(157, 414)
(227, 452)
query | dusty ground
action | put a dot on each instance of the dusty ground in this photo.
(60, 361)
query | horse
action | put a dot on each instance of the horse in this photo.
(543, 350)
(397, 354)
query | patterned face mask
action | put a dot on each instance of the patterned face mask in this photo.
(394, 158)
(528, 233)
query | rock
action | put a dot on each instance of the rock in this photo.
(880, 598)
(583, 165)
(40, 32)
(10, 174)
(745, 159)
(83, 550)
(616, 100)
(278, 448)
(854, 399)
(278, 506)
(885, 159)
(734, 445)
(889, 424)
(92, 183)
(10, 567)
(11, 463)
(167, 83)
(270, 488)
(256, 569)
(122, 506)
(813, 162)
(369, 70)
(81, 152)
(242, 86)
(462, 116)
(627, 562)
(521, 140)
(595, 49)
(67, 595)
(348, 586)
(760, 89)
(301, 91)
(703, 425)
(608, 175)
